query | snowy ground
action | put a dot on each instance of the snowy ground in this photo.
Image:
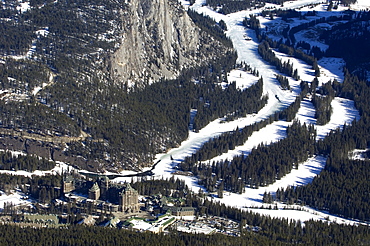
(358, 154)
(15, 198)
(58, 169)
(23, 6)
(241, 78)
(361, 5)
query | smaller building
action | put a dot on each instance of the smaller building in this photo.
(68, 184)
(41, 219)
(112, 223)
(94, 192)
(180, 211)
(88, 221)
(156, 226)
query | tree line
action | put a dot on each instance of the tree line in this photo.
(269, 56)
(342, 189)
(24, 162)
(209, 25)
(43, 188)
(230, 102)
(284, 82)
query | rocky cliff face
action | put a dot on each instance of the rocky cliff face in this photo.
(159, 39)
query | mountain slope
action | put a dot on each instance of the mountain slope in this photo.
(71, 74)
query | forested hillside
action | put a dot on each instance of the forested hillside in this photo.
(56, 82)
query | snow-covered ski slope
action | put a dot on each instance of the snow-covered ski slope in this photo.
(344, 112)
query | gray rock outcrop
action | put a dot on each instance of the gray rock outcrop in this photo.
(159, 39)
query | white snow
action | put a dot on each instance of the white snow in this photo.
(14, 198)
(58, 169)
(268, 134)
(358, 154)
(23, 6)
(241, 78)
(42, 32)
(361, 5)
(331, 67)
(344, 112)
(301, 3)
(36, 90)
(185, 4)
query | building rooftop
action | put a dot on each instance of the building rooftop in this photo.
(68, 179)
(179, 209)
(95, 187)
(112, 222)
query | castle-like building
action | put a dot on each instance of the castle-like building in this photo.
(68, 184)
(123, 194)
(103, 189)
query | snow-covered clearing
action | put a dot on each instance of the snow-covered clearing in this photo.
(59, 168)
(361, 5)
(23, 6)
(344, 112)
(13, 198)
(268, 134)
(359, 154)
(332, 67)
(306, 114)
(37, 89)
(241, 78)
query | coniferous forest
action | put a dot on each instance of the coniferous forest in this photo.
(27, 162)
(341, 188)
(314, 233)
(261, 167)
